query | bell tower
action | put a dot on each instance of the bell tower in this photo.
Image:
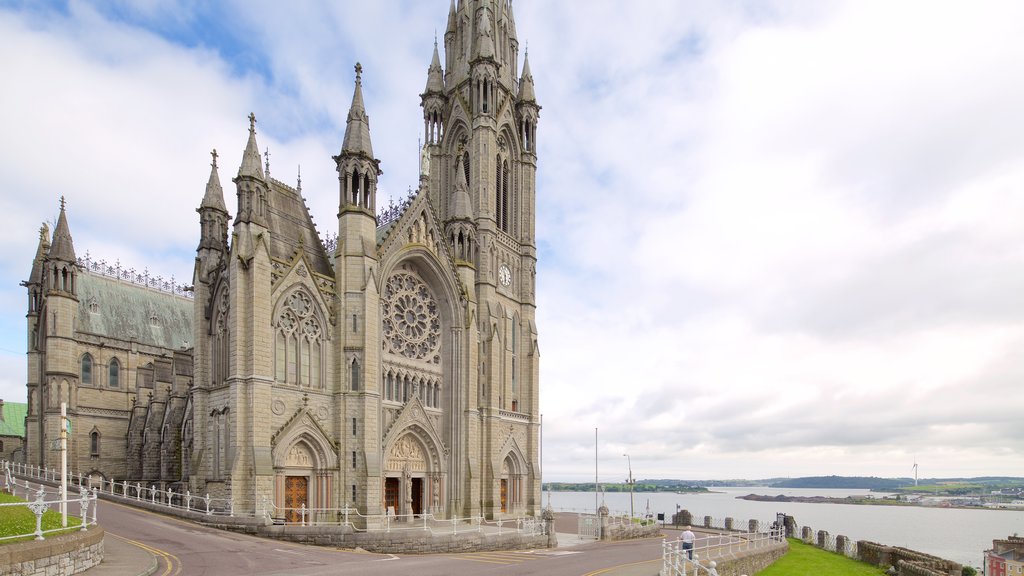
(482, 179)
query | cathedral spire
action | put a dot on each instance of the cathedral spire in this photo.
(357, 168)
(435, 75)
(453, 21)
(36, 277)
(357, 132)
(214, 197)
(62, 248)
(484, 37)
(251, 165)
(526, 93)
(460, 206)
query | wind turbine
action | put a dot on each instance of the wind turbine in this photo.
(915, 471)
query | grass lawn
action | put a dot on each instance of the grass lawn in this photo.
(804, 559)
(21, 520)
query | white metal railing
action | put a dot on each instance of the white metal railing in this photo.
(43, 501)
(350, 517)
(676, 561)
(265, 508)
(131, 490)
(588, 526)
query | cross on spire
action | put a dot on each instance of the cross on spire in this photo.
(213, 153)
(252, 122)
(62, 203)
(359, 72)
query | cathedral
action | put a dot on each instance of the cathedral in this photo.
(393, 368)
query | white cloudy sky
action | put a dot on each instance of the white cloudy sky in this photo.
(776, 238)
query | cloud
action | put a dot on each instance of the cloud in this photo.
(775, 239)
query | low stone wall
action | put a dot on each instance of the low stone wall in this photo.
(56, 556)
(907, 562)
(630, 531)
(406, 541)
(751, 561)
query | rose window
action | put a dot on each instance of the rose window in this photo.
(412, 326)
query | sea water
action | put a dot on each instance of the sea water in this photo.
(957, 534)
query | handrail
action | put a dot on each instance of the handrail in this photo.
(347, 516)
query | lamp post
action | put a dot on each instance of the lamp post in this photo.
(630, 482)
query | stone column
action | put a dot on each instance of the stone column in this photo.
(602, 513)
(548, 515)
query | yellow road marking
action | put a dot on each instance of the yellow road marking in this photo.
(173, 563)
(495, 557)
(610, 568)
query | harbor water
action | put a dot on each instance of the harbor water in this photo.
(957, 534)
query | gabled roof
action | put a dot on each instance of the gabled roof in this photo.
(291, 226)
(124, 311)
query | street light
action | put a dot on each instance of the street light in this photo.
(630, 482)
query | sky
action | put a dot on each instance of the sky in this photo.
(775, 238)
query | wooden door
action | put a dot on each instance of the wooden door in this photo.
(391, 494)
(504, 495)
(417, 496)
(296, 493)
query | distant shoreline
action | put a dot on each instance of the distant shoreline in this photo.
(862, 501)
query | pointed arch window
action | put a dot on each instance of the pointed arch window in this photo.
(87, 369)
(502, 204)
(219, 343)
(114, 373)
(94, 442)
(299, 342)
(356, 376)
(515, 358)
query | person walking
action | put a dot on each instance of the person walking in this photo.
(687, 537)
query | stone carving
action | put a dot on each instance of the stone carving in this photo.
(406, 454)
(299, 456)
(277, 406)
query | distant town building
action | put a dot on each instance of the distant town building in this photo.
(12, 431)
(1006, 557)
(393, 367)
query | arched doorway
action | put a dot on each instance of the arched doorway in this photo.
(510, 485)
(304, 469)
(413, 484)
(298, 474)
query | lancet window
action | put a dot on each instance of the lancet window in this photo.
(220, 341)
(299, 342)
(87, 369)
(501, 192)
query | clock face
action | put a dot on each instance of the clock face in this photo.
(504, 275)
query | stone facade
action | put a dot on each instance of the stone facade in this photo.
(394, 369)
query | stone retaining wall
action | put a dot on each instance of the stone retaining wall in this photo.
(907, 562)
(751, 561)
(406, 541)
(630, 531)
(56, 556)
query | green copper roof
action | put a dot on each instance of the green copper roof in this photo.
(125, 311)
(13, 421)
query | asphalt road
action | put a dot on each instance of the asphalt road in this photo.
(184, 548)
